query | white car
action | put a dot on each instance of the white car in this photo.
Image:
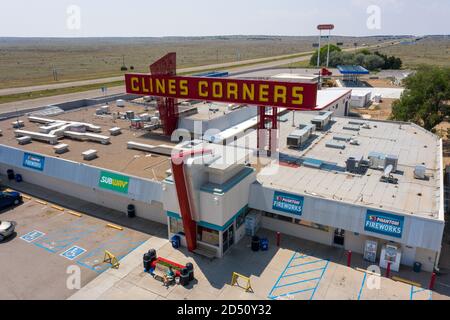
(6, 229)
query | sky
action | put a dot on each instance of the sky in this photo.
(148, 18)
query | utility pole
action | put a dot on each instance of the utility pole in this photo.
(328, 53)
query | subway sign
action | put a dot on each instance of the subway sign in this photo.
(384, 223)
(288, 203)
(33, 161)
(114, 182)
(290, 95)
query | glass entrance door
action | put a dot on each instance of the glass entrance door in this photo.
(339, 237)
(228, 238)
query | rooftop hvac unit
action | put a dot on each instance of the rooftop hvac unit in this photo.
(420, 172)
(377, 160)
(300, 136)
(322, 120)
(391, 160)
(120, 103)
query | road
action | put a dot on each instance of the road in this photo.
(236, 66)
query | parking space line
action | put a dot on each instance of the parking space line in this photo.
(303, 272)
(413, 292)
(291, 284)
(290, 266)
(307, 263)
(362, 286)
(318, 282)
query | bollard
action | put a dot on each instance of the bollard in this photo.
(278, 239)
(388, 270)
(349, 258)
(432, 281)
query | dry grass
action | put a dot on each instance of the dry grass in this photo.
(30, 61)
(430, 50)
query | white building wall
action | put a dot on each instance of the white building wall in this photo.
(339, 107)
(417, 231)
(81, 181)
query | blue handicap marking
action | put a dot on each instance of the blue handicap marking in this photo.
(73, 252)
(33, 235)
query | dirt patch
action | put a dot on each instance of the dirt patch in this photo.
(381, 111)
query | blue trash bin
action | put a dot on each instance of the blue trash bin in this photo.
(176, 241)
(264, 244)
(19, 178)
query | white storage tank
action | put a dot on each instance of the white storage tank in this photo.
(120, 103)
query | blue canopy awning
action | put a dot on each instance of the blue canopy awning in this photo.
(352, 70)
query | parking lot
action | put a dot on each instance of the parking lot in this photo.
(49, 238)
(298, 270)
(55, 231)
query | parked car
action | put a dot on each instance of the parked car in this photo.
(9, 199)
(6, 229)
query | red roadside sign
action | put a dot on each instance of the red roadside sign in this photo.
(325, 27)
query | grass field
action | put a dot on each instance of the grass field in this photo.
(30, 61)
(430, 50)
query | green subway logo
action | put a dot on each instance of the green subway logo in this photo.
(114, 182)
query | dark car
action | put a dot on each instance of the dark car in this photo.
(9, 199)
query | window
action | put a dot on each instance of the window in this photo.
(240, 219)
(297, 221)
(176, 226)
(208, 236)
(312, 225)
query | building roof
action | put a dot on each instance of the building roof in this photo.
(325, 98)
(352, 70)
(115, 156)
(322, 171)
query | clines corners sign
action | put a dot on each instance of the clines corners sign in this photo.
(292, 95)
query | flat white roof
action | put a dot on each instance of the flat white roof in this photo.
(296, 77)
(327, 97)
(410, 143)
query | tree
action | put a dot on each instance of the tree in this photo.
(373, 62)
(323, 54)
(425, 99)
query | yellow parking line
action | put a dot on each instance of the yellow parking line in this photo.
(74, 213)
(57, 207)
(26, 197)
(109, 225)
(415, 284)
(41, 202)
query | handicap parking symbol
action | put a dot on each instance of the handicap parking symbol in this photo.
(73, 252)
(33, 235)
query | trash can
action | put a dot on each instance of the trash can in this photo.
(417, 267)
(131, 211)
(152, 254)
(19, 178)
(190, 268)
(176, 241)
(264, 244)
(10, 174)
(184, 277)
(147, 259)
(255, 243)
